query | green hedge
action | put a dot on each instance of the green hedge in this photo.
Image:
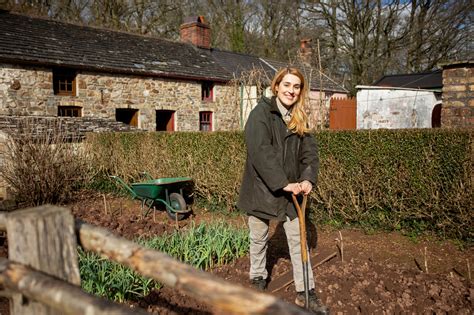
(413, 180)
(405, 179)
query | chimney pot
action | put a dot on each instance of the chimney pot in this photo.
(305, 50)
(196, 31)
(305, 43)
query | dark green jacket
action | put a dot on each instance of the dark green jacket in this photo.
(275, 157)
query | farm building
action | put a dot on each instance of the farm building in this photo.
(440, 98)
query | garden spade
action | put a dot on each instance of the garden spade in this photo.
(304, 251)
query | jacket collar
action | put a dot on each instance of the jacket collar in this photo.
(273, 105)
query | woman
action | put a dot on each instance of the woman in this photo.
(282, 159)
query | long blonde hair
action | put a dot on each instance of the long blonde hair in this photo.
(299, 119)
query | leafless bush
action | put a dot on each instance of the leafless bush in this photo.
(42, 163)
(247, 89)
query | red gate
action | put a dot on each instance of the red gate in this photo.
(343, 113)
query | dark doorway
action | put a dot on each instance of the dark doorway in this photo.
(128, 116)
(164, 120)
(436, 116)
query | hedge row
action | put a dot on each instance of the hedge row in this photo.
(411, 180)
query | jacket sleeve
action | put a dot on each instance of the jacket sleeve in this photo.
(309, 159)
(261, 153)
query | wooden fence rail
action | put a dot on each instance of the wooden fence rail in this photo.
(222, 296)
(60, 295)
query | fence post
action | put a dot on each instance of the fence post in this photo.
(42, 238)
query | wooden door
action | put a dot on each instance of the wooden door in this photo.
(343, 113)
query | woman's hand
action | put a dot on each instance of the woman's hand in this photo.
(306, 187)
(294, 188)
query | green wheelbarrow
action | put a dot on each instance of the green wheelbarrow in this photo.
(167, 191)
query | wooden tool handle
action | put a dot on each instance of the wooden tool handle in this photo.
(302, 223)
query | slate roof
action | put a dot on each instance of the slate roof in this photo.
(51, 43)
(427, 80)
(324, 83)
(238, 64)
(45, 42)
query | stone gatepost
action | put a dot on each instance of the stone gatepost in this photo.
(458, 95)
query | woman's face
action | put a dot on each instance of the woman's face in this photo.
(289, 89)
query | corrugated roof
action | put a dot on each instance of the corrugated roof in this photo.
(45, 42)
(425, 80)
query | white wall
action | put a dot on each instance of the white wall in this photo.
(249, 100)
(394, 108)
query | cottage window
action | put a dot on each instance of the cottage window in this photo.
(205, 121)
(207, 91)
(64, 82)
(70, 111)
(128, 116)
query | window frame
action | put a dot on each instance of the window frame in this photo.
(64, 82)
(207, 91)
(207, 122)
(64, 109)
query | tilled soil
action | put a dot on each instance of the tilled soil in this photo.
(356, 273)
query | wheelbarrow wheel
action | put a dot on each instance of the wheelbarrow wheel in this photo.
(178, 203)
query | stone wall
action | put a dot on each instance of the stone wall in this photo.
(29, 91)
(77, 127)
(458, 95)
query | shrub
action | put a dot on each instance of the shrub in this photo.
(409, 180)
(214, 160)
(42, 164)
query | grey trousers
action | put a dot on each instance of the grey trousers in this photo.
(258, 250)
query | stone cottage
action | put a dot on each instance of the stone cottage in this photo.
(50, 68)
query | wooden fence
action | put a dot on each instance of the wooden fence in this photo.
(41, 274)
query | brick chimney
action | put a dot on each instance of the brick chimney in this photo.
(196, 31)
(305, 51)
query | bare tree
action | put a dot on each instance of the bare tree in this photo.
(65, 10)
(273, 21)
(229, 20)
(160, 18)
(370, 38)
(361, 36)
(436, 30)
(360, 40)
